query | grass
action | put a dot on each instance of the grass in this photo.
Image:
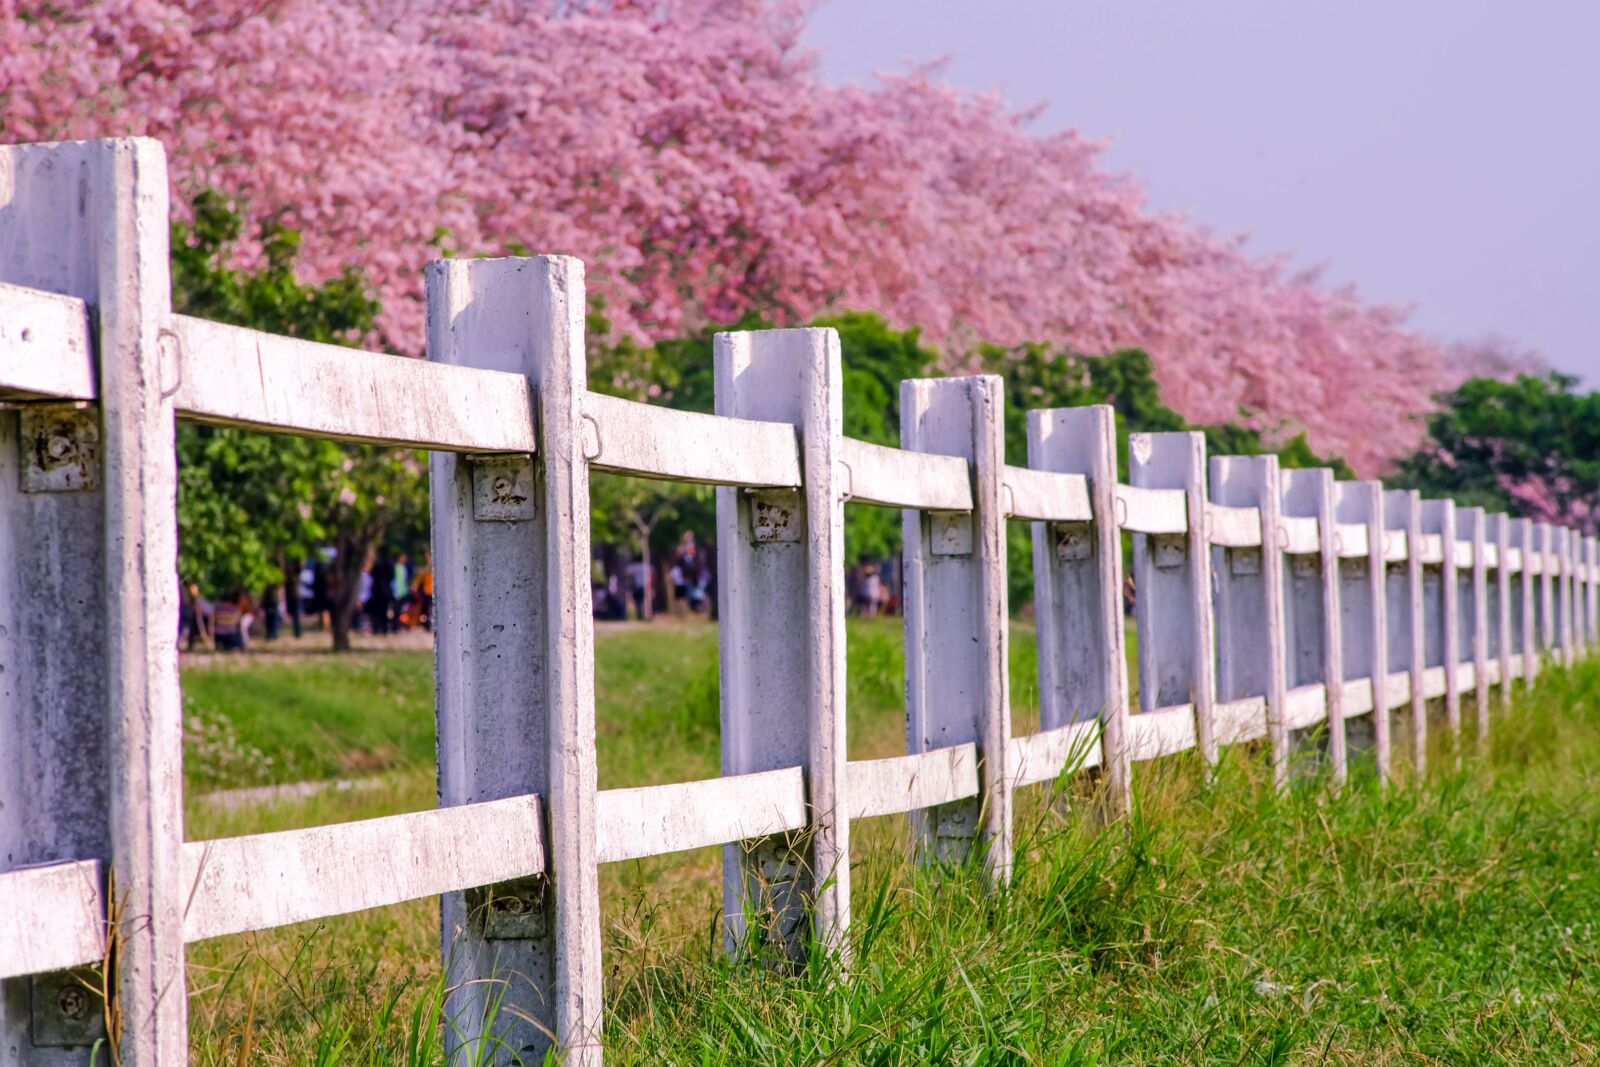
(1444, 921)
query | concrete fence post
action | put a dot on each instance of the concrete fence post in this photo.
(1364, 623)
(1251, 651)
(1558, 594)
(1441, 610)
(1408, 643)
(1313, 635)
(1472, 529)
(89, 696)
(1591, 594)
(1525, 538)
(1580, 596)
(1077, 576)
(1172, 579)
(514, 663)
(1565, 539)
(781, 603)
(1544, 545)
(1500, 627)
(956, 623)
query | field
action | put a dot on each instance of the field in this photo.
(1448, 921)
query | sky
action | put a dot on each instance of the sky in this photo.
(1443, 154)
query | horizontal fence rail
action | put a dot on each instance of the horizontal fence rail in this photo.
(1270, 605)
(656, 442)
(265, 880)
(893, 477)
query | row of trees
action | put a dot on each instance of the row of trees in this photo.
(252, 505)
(690, 153)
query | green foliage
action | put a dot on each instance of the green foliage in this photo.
(1529, 446)
(250, 503)
(876, 359)
(1038, 376)
(340, 310)
(678, 372)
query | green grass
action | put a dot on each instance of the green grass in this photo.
(1450, 920)
(271, 720)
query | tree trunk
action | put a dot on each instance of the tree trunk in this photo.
(348, 564)
(291, 591)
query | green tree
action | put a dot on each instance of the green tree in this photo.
(1039, 376)
(251, 505)
(678, 373)
(1530, 446)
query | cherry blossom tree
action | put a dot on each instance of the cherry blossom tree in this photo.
(688, 151)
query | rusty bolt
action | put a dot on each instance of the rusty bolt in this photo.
(59, 447)
(73, 1002)
(513, 905)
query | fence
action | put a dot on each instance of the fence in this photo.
(1269, 603)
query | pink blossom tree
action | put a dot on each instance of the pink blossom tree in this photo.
(688, 152)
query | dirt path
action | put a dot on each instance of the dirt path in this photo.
(288, 649)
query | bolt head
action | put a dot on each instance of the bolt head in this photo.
(73, 1002)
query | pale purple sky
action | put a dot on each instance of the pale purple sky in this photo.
(1441, 153)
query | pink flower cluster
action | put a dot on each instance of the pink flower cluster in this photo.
(689, 153)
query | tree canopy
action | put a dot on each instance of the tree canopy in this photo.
(252, 505)
(691, 154)
(1530, 446)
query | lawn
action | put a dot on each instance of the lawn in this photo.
(1450, 920)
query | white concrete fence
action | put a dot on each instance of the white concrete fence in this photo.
(1269, 603)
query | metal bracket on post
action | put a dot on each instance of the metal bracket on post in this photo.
(510, 911)
(66, 1009)
(503, 489)
(1244, 561)
(1074, 541)
(61, 448)
(1303, 565)
(950, 533)
(775, 516)
(1168, 551)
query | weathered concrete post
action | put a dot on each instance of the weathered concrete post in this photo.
(1408, 643)
(1500, 641)
(1544, 546)
(1172, 576)
(1472, 529)
(1313, 636)
(956, 623)
(1251, 653)
(1525, 538)
(1364, 624)
(780, 596)
(514, 663)
(89, 696)
(1077, 580)
(1564, 592)
(1442, 610)
(1591, 594)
